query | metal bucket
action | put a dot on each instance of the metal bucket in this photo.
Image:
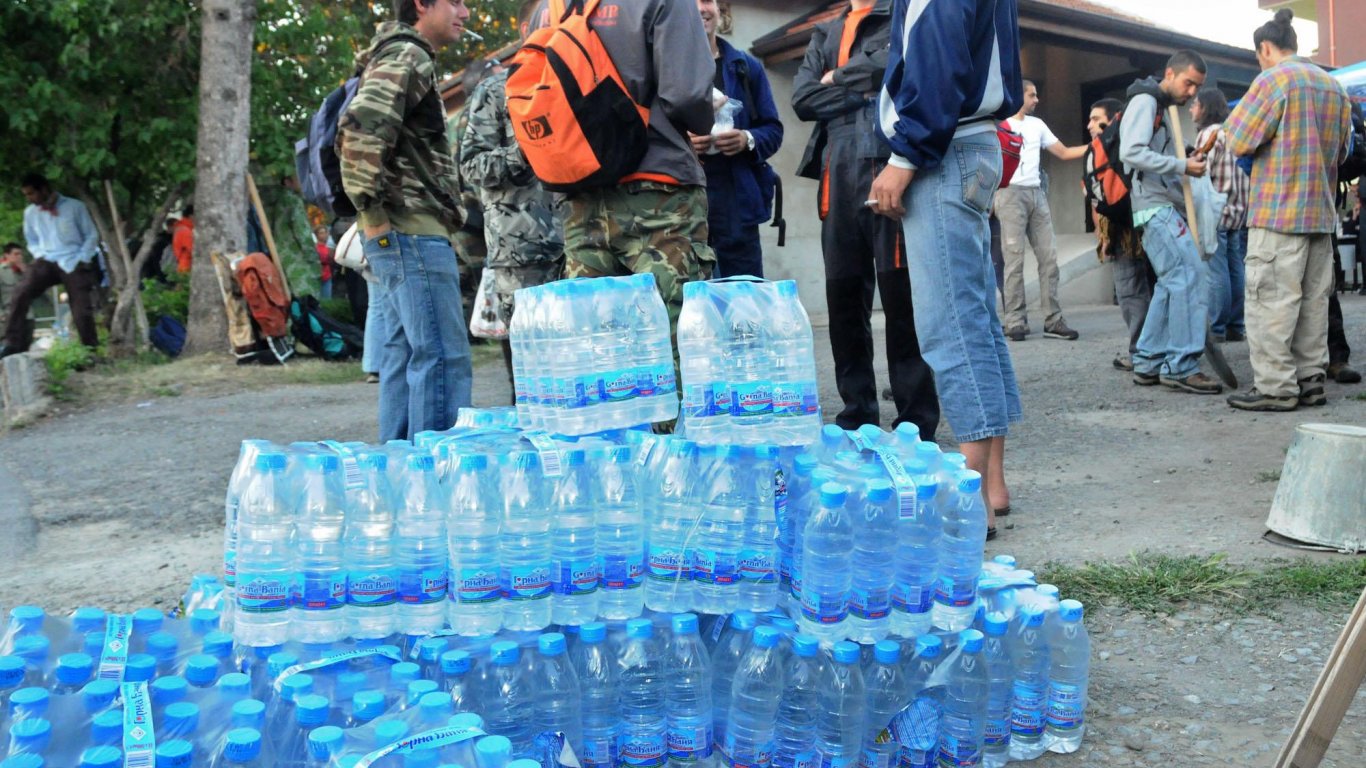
(1321, 496)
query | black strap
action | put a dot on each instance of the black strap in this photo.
(752, 109)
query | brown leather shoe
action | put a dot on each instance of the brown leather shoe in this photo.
(1196, 384)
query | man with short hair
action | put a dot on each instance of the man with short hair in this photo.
(1022, 208)
(64, 243)
(399, 172)
(11, 273)
(1173, 335)
(1294, 123)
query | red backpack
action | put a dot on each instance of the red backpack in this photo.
(1011, 144)
(264, 292)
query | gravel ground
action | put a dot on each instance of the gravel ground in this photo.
(117, 505)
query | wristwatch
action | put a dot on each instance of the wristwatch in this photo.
(749, 140)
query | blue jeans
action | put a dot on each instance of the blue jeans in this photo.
(374, 328)
(1174, 331)
(424, 365)
(1227, 282)
(325, 289)
(953, 289)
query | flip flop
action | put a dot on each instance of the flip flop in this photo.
(991, 533)
(1003, 511)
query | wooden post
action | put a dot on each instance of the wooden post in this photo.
(270, 238)
(1175, 117)
(1333, 692)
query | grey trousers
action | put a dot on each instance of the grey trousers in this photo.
(1133, 293)
(1025, 216)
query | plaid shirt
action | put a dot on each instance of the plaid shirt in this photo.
(1227, 178)
(1294, 121)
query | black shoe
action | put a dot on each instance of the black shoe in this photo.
(1146, 379)
(5, 351)
(1018, 333)
(1343, 373)
(1235, 336)
(1059, 330)
(1196, 384)
(1311, 392)
(1122, 362)
(1252, 400)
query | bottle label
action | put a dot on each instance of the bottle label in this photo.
(546, 386)
(599, 752)
(796, 580)
(955, 751)
(873, 758)
(1027, 713)
(139, 733)
(666, 380)
(997, 732)
(422, 586)
(645, 381)
(785, 573)
(916, 729)
(825, 609)
(259, 593)
(372, 588)
(229, 568)
(579, 392)
(869, 604)
(1066, 706)
(522, 391)
(642, 749)
(806, 760)
(699, 401)
(577, 577)
(756, 565)
(750, 757)
(723, 397)
(912, 598)
(751, 398)
(622, 572)
(837, 761)
(619, 385)
(713, 566)
(956, 594)
(322, 591)
(118, 629)
(474, 586)
(526, 582)
(669, 564)
(689, 739)
(795, 398)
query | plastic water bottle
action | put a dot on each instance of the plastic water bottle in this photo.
(420, 549)
(519, 338)
(642, 741)
(960, 560)
(72, 673)
(828, 546)
(840, 701)
(688, 705)
(796, 720)
(874, 565)
(368, 553)
(237, 483)
(621, 533)
(1067, 680)
(573, 542)
(1001, 677)
(317, 616)
(746, 352)
(509, 709)
(750, 732)
(927, 701)
(657, 380)
(796, 408)
(264, 564)
(762, 495)
(613, 353)
(803, 508)
(557, 689)
(888, 694)
(579, 396)
(962, 727)
(596, 671)
(474, 605)
(241, 747)
(917, 562)
(706, 394)
(720, 532)
(668, 586)
(525, 545)
(726, 654)
(786, 514)
(310, 712)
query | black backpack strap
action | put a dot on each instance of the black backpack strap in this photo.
(752, 109)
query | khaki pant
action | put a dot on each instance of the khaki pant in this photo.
(1289, 280)
(1025, 216)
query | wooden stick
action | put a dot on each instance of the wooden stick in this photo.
(270, 238)
(1175, 117)
(1333, 692)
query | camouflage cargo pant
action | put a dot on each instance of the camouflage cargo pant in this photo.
(506, 281)
(637, 228)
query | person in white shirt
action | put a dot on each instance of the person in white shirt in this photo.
(1022, 209)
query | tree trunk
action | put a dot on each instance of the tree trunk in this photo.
(128, 329)
(221, 186)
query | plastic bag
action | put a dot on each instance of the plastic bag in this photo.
(487, 323)
(1209, 208)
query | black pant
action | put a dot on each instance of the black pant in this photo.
(357, 293)
(1338, 351)
(738, 250)
(42, 275)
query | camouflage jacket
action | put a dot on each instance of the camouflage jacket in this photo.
(522, 222)
(395, 155)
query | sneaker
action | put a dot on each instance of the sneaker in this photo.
(1252, 400)
(1236, 336)
(1059, 330)
(1343, 373)
(372, 378)
(1122, 362)
(1196, 384)
(1018, 333)
(1146, 379)
(1311, 392)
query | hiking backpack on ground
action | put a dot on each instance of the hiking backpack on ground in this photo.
(264, 292)
(571, 113)
(324, 335)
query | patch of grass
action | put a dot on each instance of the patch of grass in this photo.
(1333, 584)
(1273, 476)
(66, 357)
(1359, 396)
(321, 372)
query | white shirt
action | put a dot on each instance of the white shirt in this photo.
(64, 235)
(1036, 137)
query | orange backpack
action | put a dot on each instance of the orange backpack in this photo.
(571, 113)
(264, 292)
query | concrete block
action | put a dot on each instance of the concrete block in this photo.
(23, 388)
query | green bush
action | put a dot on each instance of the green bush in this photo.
(171, 298)
(65, 357)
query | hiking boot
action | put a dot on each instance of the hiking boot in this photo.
(1197, 384)
(1236, 336)
(1122, 362)
(1342, 373)
(1252, 400)
(1018, 333)
(1059, 330)
(1146, 379)
(1311, 392)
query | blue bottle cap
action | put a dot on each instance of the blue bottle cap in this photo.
(33, 648)
(765, 452)
(204, 620)
(87, 619)
(29, 702)
(30, 735)
(743, 620)
(374, 460)
(504, 653)
(872, 432)
(201, 670)
(234, 685)
(995, 624)
(766, 637)
(280, 661)
(325, 742)
(419, 688)
(466, 720)
(217, 644)
(970, 640)
(403, 673)
(907, 432)
(887, 651)
(785, 625)
(928, 647)
(176, 753)
(593, 632)
(242, 745)
(969, 481)
(1006, 560)
(11, 671)
(107, 727)
(620, 454)
(805, 646)
(311, 710)
(270, 461)
(845, 652)
(640, 629)
(833, 495)
(694, 290)
(550, 644)
(390, 731)
(1070, 610)
(181, 717)
(832, 434)
(435, 706)
(1047, 590)
(367, 705)
(101, 757)
(574, 457)
(348, 683)
(248, 713)
(431, 648)
(294, 686)
(685, 624)
(29, 760)
(421, 462)
(926, 487)
(74, 668)
(147, 620)
(141, 668)
(495, 746)
(27, 618)
(93, 645)
(168, 689)
(472, 462)
(879, 490)
(455, 663)
(805, 464)
(98, 695)
(264, 652)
